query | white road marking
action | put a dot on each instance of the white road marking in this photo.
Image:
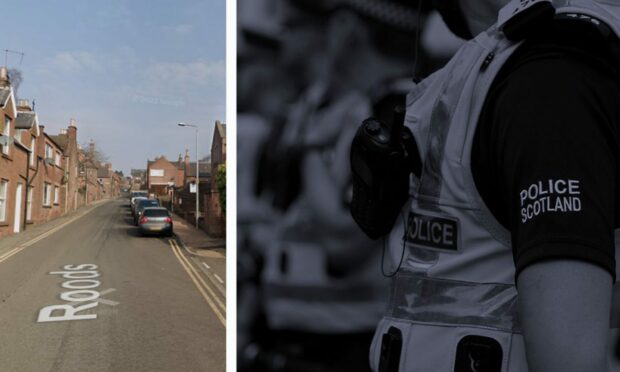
(218, 278)
(109, 290)
(207, 266)
(107, 302)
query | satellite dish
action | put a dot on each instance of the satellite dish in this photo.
(48, 161)
(5, 140)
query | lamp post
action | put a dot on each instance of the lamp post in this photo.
(197, 173)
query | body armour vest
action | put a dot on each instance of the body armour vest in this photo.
(457, 275)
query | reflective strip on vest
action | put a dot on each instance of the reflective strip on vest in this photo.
(415, 297)
(418, 298)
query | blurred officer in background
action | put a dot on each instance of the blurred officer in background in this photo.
(519, 135)
(312, 289)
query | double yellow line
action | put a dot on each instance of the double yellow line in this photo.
(218, 307)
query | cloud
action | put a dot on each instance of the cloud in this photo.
(76, 62)
(192, 73)
(182, 29)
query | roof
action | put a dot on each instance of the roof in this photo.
(221, 128)
(176, 164)
(25, 119)
(62, 140)
(205, 169)
(138, 172)
(103, 173)
(4, 95)
(51, 138)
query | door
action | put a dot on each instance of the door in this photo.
(18, 209)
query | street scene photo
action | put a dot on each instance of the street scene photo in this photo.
(113, 186)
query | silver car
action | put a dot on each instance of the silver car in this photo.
(155, 221)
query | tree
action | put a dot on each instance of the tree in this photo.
(93, 154)
(220, 180)
(15, 76)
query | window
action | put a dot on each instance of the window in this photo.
(57, 159)
(6, 131)
(47, 194)
(4, 185)
(29, 204)
(48, 151)
(56, 197)
(32, 151)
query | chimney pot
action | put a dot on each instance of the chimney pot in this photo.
(72, 122)
(24, 105)
(4, 77)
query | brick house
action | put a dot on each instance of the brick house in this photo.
(215, 220)
(46, 192)
(161, 174)
(67, 140)
(89, 185)
(218, 150)
(14, 157)
(109, 180)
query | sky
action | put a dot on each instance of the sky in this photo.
(127, 71)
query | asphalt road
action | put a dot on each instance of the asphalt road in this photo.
(135, 304)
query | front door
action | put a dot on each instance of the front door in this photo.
(18, 209)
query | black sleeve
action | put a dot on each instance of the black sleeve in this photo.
(553, 145)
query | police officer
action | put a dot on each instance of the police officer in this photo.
(519, 194)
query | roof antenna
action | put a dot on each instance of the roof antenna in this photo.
(6, 56)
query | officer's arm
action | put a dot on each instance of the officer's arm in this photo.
(564, 308)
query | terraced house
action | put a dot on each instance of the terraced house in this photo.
(42, 176)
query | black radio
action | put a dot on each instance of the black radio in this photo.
(382, 157)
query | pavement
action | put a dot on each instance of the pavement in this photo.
(197, 239)
(207, 252)
(86, 292)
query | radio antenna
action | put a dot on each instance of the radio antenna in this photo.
(6, 56)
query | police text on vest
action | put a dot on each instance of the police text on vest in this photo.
(559, 196)
(433, 231)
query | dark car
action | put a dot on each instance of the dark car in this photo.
(155, 221)
(141, 204)
(134, 203)
(136, 194)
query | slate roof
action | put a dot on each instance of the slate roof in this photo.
(25, 120)
(62, 140)
(205, 169)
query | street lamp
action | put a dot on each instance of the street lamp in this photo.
(197, 173)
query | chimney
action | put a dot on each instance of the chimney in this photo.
(24, 105)
(4, 77)
(91, 147)
(72, 131)
(186, 160)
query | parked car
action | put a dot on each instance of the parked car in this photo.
(144, 203)
(155, 220)
(135, 194)
(134, 201)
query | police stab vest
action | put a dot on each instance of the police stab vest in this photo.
(457, 275)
